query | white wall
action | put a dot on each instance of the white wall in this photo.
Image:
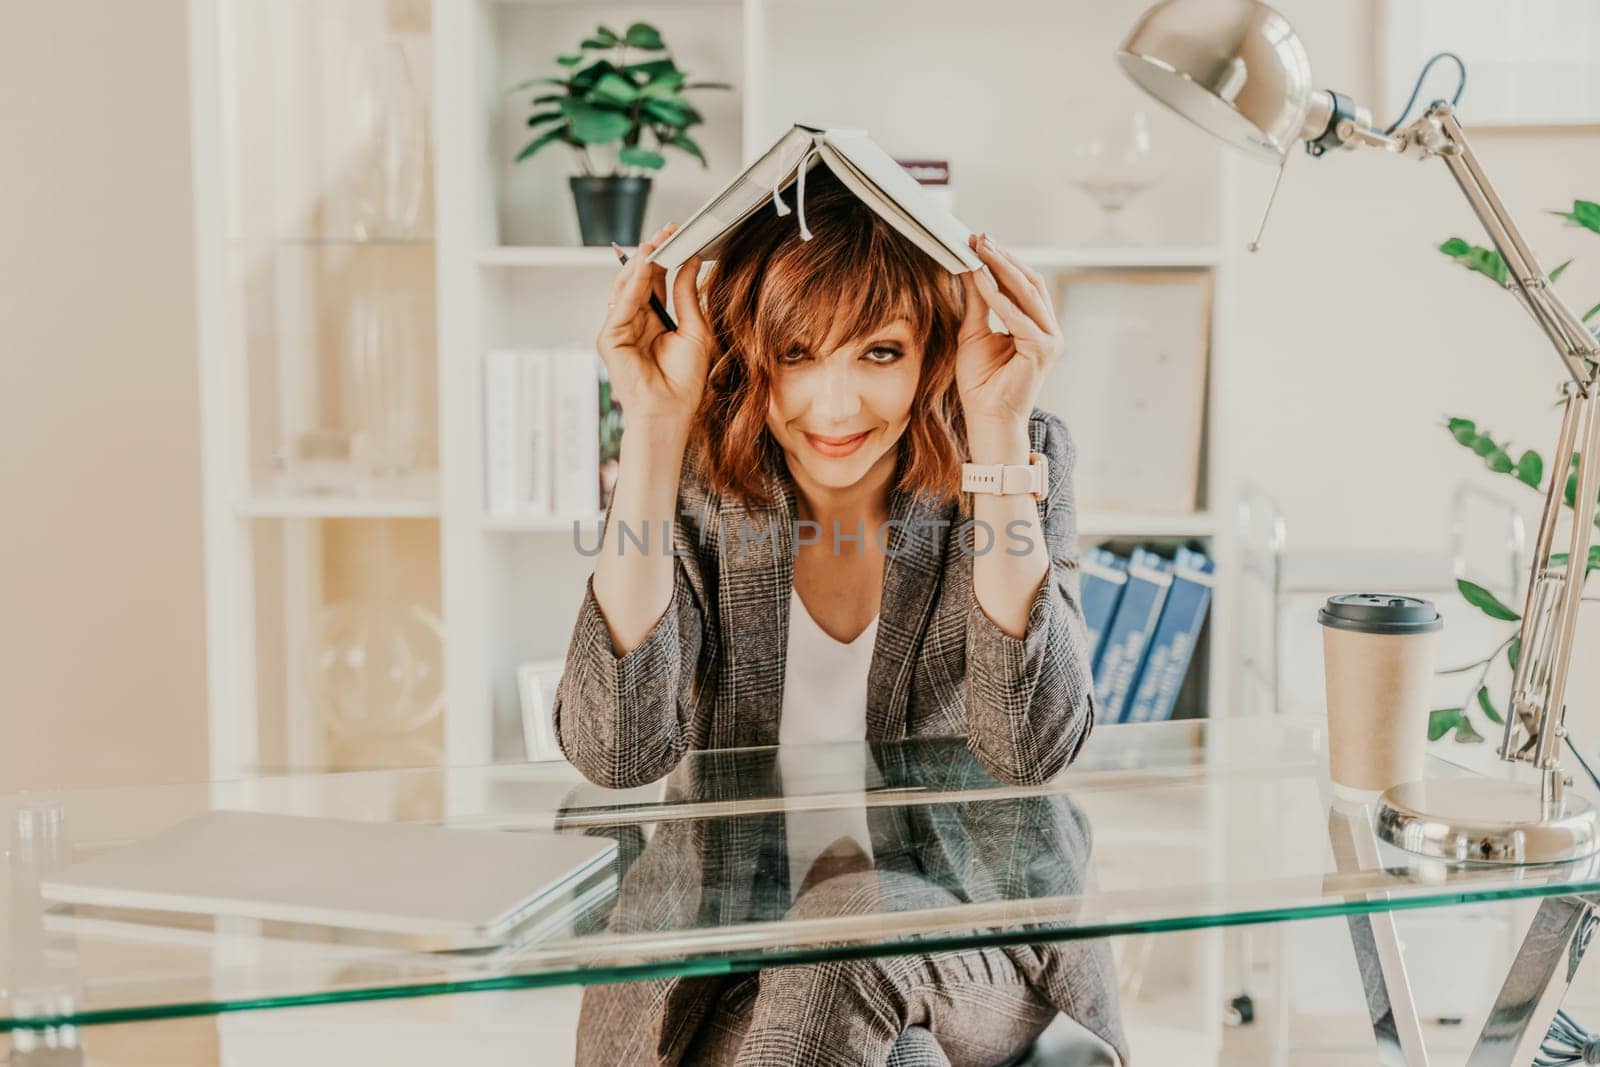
(101, 629)
(1355, 338)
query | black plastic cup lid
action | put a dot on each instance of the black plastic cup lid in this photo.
(1380, 613)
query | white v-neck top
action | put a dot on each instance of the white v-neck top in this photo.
(824, 699)
(824, 681)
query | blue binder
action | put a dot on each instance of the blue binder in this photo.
(1149, 578)
(1105, 575)
(1167, 661)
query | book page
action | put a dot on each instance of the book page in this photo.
(736, 201)
(890, 211)
(891, 185)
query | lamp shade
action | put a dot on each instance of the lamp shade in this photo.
(1235, 68)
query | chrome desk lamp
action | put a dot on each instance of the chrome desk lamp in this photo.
(1236, 69)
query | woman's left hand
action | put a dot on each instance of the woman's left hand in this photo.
(998, 375)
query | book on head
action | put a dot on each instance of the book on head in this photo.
(861, 165)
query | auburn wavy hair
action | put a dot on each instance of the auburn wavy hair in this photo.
(770, 291)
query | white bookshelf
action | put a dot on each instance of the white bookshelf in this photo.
(511, 272)
(507, 270)
(504, 268)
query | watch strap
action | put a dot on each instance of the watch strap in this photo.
(1008, 479)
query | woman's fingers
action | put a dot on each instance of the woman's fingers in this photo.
(975, 312)
(627, 294)
(686, 301)
(1040, 287)
(657, 240)
(649, 329)
(631, 288)
(1012, 317)
(1014, 280)
(627, 270)
(658, 286)
(624, 314)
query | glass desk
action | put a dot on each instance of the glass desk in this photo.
(1160, 827)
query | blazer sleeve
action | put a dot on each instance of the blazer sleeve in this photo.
(1030, 700)
(623, 720)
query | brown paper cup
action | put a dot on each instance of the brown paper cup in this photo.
(1378, 657)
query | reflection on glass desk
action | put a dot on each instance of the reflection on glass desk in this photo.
(1159, 827)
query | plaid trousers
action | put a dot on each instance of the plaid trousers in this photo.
(978, 1005)
(969, 1008)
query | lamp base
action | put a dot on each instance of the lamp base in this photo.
(1485, 820)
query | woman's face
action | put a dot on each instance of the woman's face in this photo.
(837, 412)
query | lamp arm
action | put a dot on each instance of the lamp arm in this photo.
(1534, 721)
(1438, 133)
(1574, 343)
(1550, 613)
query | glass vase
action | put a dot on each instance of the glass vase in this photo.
(387, 127)
(382, 367)
(376, 668)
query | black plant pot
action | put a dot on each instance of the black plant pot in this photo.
(610, 209)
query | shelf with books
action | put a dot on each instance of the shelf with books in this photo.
(1147, 615)
(551, 433)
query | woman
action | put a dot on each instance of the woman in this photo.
(801, 434)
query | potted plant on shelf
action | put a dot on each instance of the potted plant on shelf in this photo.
(1529, 470)
(605, 105)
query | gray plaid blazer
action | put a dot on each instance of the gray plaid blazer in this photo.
(709, 674)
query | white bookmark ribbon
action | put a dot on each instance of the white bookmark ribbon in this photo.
(799, 192)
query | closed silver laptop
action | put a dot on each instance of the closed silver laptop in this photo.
(460, 888)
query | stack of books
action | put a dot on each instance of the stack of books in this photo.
(1144, 614)
(551, 433)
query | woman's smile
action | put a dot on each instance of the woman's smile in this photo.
(837, 447)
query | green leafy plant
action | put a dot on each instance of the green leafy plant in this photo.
(1529, 470)
(609, 99)
(610, 422)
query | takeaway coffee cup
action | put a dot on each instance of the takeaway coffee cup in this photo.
(1378, 654)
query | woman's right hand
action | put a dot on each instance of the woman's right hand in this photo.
(657, 374)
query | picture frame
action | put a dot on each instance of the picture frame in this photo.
(1529, 64)
(536, 691)
(1132, 386)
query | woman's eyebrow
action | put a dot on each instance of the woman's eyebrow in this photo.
(896, 330)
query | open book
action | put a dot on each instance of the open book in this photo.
(863, 167)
